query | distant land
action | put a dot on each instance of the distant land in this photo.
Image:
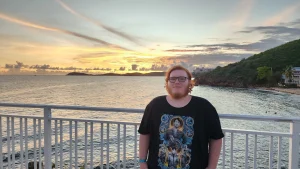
(117, 74)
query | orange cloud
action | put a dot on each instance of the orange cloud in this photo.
(283, 15)
(81, 56)
(112, 30)
(32, 25)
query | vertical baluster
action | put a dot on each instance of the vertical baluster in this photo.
(40, 147)
(224, 150)
(21, 143)
(246, 153)
(92, 144)
(231, 152)
(102, 145)
(26, 143)
(56, 146)
(271, 153)
(124, 147)
(85, 143)
(107, 147)
(279, 152)
(76, 144)
(118, 156)
(70, 134)
(34, 143)
(8, 141)
(255, 151)
(61, 144)
(13, 141)
(135, 146)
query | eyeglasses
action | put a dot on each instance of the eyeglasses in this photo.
(180, 79)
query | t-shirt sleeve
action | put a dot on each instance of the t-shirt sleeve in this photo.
(145, 127)
(213, 123)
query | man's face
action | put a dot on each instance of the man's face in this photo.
(178, 84)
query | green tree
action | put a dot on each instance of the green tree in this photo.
(264, 73)
(288, 72)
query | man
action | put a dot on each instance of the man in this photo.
(179, 130)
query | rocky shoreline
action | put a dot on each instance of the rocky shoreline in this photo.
(283, 90)
(240, 85)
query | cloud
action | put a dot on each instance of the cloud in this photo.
(209, 49)
(112, 30)
(182, 50)
(283, 15)
(90, 57)
(282, 33)
(244, 11)
(19, 65)
(213, 59)
(20, 68)
(240, 14)
(9, 66)
(32, 25)
(272, 30)
(254, 47)
(295, 23)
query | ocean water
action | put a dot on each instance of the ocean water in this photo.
(136, 92)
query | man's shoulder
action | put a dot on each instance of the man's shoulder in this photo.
(158, 99)
(155, 102)
(200, 100)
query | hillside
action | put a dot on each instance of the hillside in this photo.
(244, 73)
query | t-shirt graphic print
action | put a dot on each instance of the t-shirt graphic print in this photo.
(176, 135)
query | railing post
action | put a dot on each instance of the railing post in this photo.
(47, 137)
(294, 145)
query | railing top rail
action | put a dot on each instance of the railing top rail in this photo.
(61, 107)
(128, 110)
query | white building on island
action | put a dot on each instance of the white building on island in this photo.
(296, 76)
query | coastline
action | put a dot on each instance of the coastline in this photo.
(295, 91)
(283, 90)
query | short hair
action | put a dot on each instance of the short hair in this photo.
(177, 67)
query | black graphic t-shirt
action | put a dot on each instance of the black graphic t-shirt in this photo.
(179, 136)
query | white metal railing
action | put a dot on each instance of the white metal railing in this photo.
(112, 141)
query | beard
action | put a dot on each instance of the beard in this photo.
(177, 95)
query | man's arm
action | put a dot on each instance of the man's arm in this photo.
(144, 145)
(214, 153)
(143, 148)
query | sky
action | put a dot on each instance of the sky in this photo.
(55, 36)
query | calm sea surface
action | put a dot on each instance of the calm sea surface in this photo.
(136, 92)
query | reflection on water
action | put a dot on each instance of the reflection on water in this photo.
(136, 92)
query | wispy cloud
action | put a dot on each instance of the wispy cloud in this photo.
(183, 50)
(283, 15)
(206, 49)
(244, 11)
(213, 60)
(112, 30)
(241, 13)
(249, 47)
(281, 34)
(37, 26)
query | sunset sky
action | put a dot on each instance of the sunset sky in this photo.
(112, 34)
